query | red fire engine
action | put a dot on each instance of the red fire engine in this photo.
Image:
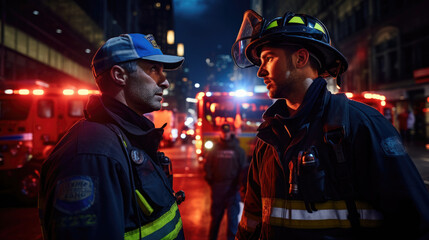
(376, 101)
(33, 117)
(242, 110)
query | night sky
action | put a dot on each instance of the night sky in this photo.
(206, 27)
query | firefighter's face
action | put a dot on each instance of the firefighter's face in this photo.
(225, 135)
(277, 71)
(144, 88)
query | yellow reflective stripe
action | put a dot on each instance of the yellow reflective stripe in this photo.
(144, 205)
(272, 24)
(296, 19)
(155, 225)
(318, 27)
(175, 232)
(330, 214)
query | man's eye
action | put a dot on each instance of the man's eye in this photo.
(267, 59)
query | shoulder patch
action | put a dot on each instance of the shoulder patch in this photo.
(74, 194)
(392, 146)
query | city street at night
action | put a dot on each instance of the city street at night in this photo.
(98, 97)
(188, 176)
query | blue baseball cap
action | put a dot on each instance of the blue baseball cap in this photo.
(128, 47)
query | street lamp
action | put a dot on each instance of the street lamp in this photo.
(180, 49)
(170, 37)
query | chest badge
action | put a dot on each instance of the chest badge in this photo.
(137, 156)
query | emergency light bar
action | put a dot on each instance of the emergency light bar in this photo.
(238, 93)
(39, 92)
(368, 96)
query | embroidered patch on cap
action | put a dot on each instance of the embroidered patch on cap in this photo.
(152, 41)
(74, 194)
(392, 146)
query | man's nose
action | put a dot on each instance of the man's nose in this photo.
(164, 84)
(262, 72)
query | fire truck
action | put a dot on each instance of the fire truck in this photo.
(242, 110)
(170, 120)
(33, 117)
(376, 101)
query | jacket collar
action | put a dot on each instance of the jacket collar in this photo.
(107, 110)
(278, 126)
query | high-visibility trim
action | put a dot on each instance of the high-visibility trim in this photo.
(319, 27)
(330, 214)
(296, 19)
(144, 205)
(272, 24)
(173, 234)
(249, 221)
(157, 224)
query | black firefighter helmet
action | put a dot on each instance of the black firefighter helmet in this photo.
(291, 29)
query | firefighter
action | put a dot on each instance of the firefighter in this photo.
(324, 167)
(105, 178)
(223, 171)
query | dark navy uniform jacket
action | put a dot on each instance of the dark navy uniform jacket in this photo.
(90, 181)
(389, 194)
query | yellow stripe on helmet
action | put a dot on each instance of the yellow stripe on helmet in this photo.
(318, 27)
(296, 19)
(272, 24)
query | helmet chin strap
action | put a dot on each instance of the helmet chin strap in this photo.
(315, 58)
(337, 74)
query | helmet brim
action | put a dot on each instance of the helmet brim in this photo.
(333, 62)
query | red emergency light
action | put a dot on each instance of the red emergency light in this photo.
(23, 91)
(68, 92)
(38, 92)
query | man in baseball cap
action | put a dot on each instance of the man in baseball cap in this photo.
(107, 165)
(128, 47)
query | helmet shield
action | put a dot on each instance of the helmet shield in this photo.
(249, 30)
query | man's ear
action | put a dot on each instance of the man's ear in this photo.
(302, 57)
(119, 75)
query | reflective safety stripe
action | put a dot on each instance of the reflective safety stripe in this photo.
(273, 24)
(249, 221)
(144, 205)
(296, 19)
(169, 223)
(330, 214)
(319, 27)
(173, 234)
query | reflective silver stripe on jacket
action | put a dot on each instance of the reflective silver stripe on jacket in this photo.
(330, 214)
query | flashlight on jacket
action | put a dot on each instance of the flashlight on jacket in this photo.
(166, 166)
(293, 177)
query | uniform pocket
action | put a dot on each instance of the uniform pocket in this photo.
(151, 182)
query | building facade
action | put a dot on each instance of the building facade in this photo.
(54, 40)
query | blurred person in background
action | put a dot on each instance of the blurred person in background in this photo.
(105, 178)
(223, 169)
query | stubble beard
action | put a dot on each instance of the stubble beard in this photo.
(283, 90)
